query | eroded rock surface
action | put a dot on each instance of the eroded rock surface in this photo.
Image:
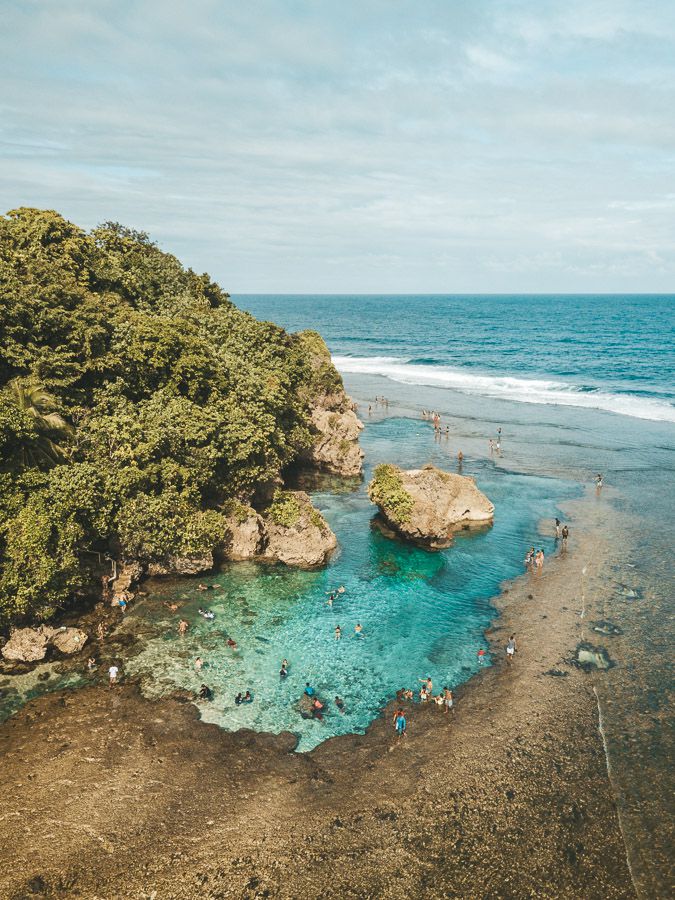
(182, 565)
(296, 533)
(245, 533)
(428, 505)
(32, 644)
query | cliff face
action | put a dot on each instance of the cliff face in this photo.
(428, 505)
(334, 424)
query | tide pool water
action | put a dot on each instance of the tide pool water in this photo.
(422, 613)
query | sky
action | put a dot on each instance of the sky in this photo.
(372, 146)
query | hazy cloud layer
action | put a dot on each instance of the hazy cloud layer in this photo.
(381, 145)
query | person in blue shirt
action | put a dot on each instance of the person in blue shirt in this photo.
(309, 690)
(400, 723)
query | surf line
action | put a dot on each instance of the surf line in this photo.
(610, 778)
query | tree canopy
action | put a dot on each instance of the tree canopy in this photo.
(135, 401)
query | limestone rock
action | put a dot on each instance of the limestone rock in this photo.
(28, 644)
(296, 533)
(245, 532)
(336, 435)
(428, 505)
(69, 640)
(182, 565)
(129, 571)
(334, 424)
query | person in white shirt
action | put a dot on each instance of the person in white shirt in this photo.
(112, 674)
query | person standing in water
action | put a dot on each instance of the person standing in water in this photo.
(598, 482)
(338, 632)
(557, 528)
(182, 627)
(565, 535)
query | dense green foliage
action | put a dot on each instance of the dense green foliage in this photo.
(387, 490)
(135, 400)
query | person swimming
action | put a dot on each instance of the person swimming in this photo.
(231, 643)
(205, 693)
(340, 703)
(283, 671)
(206, 613)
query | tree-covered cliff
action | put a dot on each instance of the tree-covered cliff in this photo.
(135, 400)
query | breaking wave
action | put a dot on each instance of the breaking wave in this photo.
(507, 387)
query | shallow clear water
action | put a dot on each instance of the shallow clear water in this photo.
(422, 613)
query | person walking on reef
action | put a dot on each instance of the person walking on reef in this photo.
(565, 535)
(113, 671)
(511, 649)
(400, 724)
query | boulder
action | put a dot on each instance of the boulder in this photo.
(28, 644)
(428, 505)
(182, 565)
(296, 533)
(69, 640)
(245, 532)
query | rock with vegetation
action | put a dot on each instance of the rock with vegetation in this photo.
(296, 533)
(335, 426)
(245, 534)
(135, 401)
(182, 565)
(428, 505)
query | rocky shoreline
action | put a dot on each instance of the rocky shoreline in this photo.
(109, 795)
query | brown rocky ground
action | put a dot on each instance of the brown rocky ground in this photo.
(107, 795)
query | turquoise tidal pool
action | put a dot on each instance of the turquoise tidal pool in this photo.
(422, 613)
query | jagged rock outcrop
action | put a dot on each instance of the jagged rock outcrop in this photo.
(336, 434)
(31, 644)
(245, 532)
(428, 505)
(334, 424)
(182, 565)
(129, 572)
(296, 533)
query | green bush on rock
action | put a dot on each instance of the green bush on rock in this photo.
(387, 490)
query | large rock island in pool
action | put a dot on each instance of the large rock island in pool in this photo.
(428, 505)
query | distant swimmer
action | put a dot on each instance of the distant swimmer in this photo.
(598, 481)
(338, 632)
(340, 703)
(199, 664)
(283, 671)
(557, 528)
(205, 693)
(206, 614)
(358, 628)
(183, 627)
(481, 656)
(230, 643)
(309, 690)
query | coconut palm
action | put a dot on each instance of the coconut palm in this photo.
(34, 401)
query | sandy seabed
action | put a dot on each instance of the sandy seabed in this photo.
(109, 795)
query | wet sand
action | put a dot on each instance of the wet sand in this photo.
(108, 795)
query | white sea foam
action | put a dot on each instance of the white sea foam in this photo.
(506, 387)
